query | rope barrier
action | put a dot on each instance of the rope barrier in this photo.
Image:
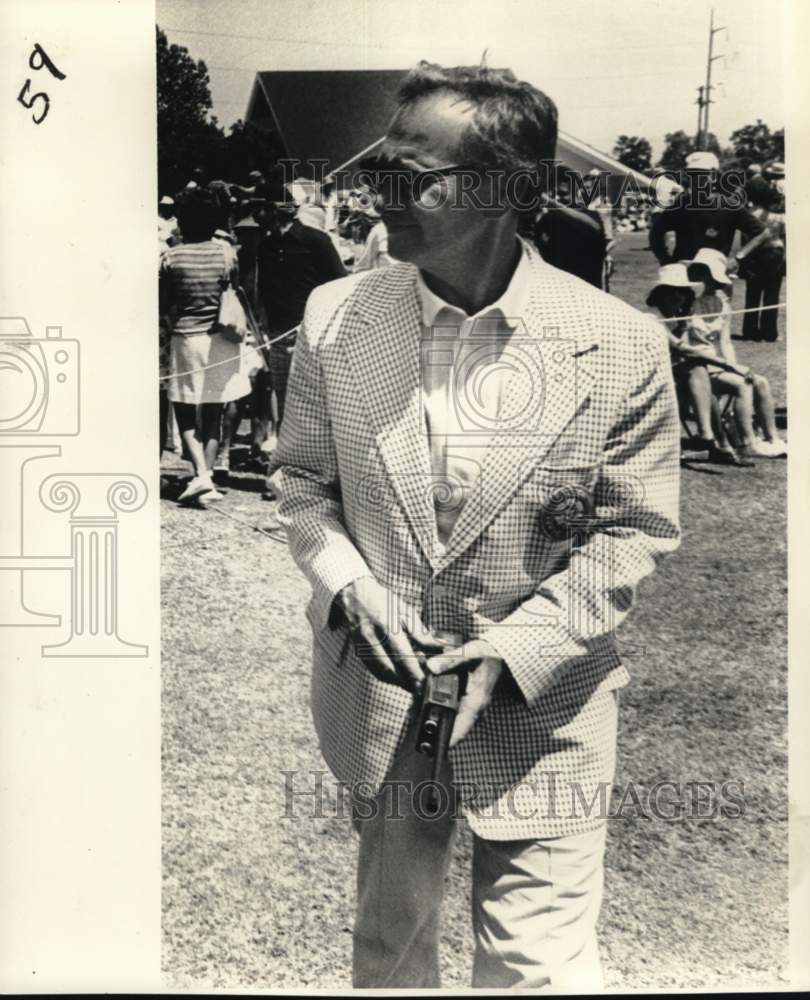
(731, 312)
(295, 329)
(229, 361)
(254, 527)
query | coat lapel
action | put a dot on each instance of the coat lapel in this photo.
(550, 382)
(383, 351)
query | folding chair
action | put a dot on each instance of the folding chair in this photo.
(723, 422)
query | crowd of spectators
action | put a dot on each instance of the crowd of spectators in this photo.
(257, 238)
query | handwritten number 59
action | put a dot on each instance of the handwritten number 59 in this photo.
(38, 60)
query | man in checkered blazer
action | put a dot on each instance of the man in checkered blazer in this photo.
(478, 464)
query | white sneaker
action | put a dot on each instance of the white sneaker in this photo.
(766, 449)
(196, 486)
(210, 496)
(776, 448)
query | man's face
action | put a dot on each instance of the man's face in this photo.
(440, 222)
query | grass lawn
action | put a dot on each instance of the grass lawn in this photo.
(256, 900)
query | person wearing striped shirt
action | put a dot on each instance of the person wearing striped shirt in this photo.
(205, 367)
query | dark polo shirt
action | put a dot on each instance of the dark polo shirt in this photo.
(573, 241)
(694, 228)
(290, 265)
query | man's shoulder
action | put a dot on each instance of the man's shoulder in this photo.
(195, 251)
(587, 312)
(580, 297)
(310, 235)
(382, 281)
(368, 290)
(307, 234)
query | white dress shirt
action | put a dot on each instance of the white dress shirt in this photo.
(464, 367)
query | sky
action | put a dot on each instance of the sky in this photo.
(627, 66)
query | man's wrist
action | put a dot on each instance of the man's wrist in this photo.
(338, 609)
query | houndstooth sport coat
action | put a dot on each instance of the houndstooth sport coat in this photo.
(576, 501)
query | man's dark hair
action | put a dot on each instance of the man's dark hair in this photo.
(514, 125)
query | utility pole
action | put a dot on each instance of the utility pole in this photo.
(699, 132)
(703, 132)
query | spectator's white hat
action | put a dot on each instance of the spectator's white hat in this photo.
(166, 200)
(714, 261)
(671, 276)
(775, 169)
(702, 161)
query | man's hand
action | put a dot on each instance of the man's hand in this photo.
(387, 638)
(483, 667)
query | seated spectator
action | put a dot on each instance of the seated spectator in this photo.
(709, 330)
(674, 297)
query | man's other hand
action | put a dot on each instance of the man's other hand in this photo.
(387, 635)
(483, 666)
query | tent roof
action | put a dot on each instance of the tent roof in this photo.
(326, 114)
(304, 106)
(582, 157)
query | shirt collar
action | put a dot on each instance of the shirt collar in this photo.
(510, 306)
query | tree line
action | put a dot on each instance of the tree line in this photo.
(749, 144)
(190, 137)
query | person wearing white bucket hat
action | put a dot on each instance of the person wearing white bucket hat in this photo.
(710, 330)
(674, 297)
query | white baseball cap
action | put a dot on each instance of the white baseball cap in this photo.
(702, 161)
(665, 190)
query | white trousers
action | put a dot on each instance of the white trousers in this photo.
(535, 902)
